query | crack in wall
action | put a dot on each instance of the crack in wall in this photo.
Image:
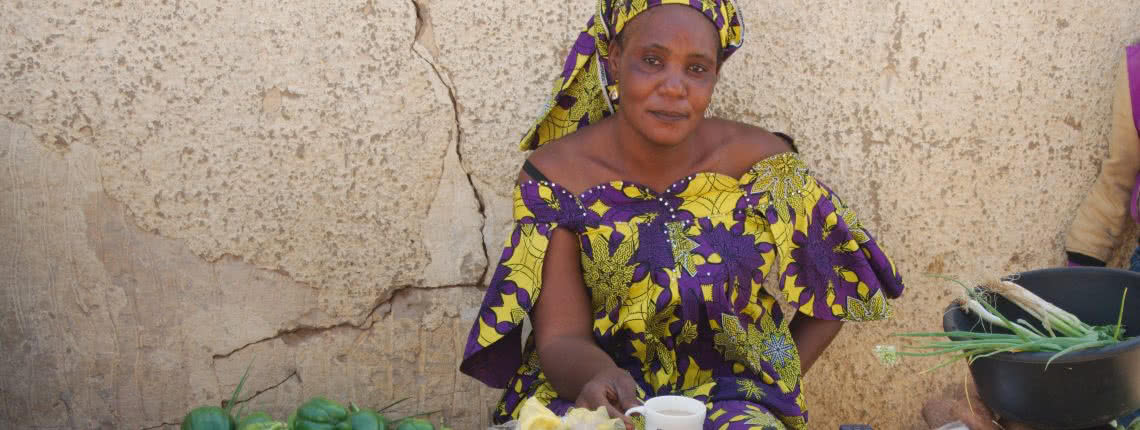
(404, 290)
(303, 332)
(366, 324)
(424, 37)
(70, 413)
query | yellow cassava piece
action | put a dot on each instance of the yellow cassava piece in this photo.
(535, 416)
(585, 419)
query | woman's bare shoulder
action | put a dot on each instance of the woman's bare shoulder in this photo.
(561, 160)
(748, 137)
(742, 145)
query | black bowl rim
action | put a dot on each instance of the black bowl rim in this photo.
(1082, 356)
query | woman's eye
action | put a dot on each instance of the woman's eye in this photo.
(652, 61)
(697, 68)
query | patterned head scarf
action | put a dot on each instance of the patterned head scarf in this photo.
(586, 92)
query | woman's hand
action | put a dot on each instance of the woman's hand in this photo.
(612, 388)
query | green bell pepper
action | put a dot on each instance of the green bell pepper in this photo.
(265, 425)
(260, 421)
(366, 419)
(207, 418)
(320, 413)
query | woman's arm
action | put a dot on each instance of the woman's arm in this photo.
(577, 368)
(812, 336)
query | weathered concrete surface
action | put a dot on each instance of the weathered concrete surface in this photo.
(183, 180)
(308, 139)
(111, 326)
(185, 186)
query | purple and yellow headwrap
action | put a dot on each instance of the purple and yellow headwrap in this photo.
(586, 92)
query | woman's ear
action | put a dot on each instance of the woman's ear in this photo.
(615, 57)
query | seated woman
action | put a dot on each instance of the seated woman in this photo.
(643, 235)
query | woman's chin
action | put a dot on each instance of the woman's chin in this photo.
(669, 137)
(666, 133)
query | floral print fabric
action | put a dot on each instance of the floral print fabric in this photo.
(676, 287)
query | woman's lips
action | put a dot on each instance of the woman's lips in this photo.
(669, 116)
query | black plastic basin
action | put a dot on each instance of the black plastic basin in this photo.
(1080, 389)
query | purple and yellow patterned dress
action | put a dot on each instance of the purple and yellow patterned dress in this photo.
(675, 282)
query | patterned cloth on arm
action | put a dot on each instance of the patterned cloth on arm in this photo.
(675, 282)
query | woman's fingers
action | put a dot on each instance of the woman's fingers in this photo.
(594, 395)
(624, 398)
(585, 401)
(615, 413)
(627, 393)
(615, 391)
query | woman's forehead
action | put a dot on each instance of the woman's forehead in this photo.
(671, 25)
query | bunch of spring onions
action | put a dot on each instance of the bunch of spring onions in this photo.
(1063, 332)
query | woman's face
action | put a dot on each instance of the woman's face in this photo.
(666, 68)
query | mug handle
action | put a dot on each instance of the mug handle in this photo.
(635, 410)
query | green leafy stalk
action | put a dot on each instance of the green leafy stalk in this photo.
(947, 362)
(1078, 347)
(953, 334)
(393, 404)
(1120, 316)
(234, 396)
(1021, 347)
(1066, 327)
(1033, 329)
(241, 411)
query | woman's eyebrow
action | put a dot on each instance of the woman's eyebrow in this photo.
(660, 47)
(701, 56)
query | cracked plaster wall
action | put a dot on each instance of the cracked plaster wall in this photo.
(185, 186)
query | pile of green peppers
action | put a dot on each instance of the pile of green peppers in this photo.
(215, 418)
(318, 413)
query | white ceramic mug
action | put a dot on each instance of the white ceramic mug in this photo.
(671, 413)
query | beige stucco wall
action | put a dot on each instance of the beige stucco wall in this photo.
(189, 186)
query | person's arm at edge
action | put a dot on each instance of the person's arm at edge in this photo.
(1103, 214)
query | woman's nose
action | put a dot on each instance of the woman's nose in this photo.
(674, 85)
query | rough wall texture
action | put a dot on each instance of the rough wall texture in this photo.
(185, 186)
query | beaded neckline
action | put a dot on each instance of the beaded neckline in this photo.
(671, 190)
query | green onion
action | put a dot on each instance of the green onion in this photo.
(1064, 332)
(1120, 315)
